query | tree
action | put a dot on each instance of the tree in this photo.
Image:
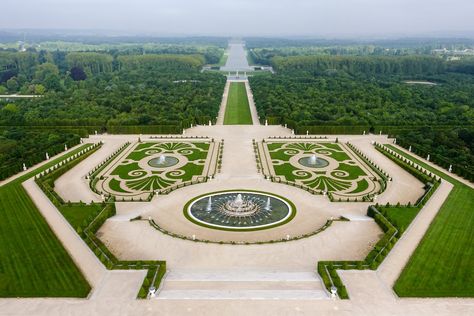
(40, 89)
(12, 84)
(11, 108)
(78, 74)
(44, 70)
(52, 82)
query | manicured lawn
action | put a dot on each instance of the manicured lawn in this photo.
(33, 262)
(401, 217)
(442, 264)
(237, 109)
(77, 214)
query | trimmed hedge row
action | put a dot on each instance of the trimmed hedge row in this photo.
(46, 179)
(144, 129)
(34, 159)
(441, 161)
(408, 165)
(88, 230)
(327, 269)
(93, 174)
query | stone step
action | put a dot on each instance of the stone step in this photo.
(249, 275)
(242, 285)
(243, 295)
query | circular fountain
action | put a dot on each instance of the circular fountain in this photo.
(239, 210)
(163, 161)
(313, 162)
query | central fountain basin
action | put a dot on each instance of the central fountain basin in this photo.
(239, 210)
(163, 161)
(313, 162)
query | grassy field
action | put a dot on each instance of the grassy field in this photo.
(442, 264)
(33, 261)
(237, 109)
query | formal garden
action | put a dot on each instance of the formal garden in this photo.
(328, 168)
(148, 168)
(89, 93)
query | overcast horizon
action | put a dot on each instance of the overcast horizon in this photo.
(277, 18)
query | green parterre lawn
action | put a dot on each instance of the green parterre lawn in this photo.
(336, 179)
(128, 177)
(237, 109)
(33, 262)
(442, 264)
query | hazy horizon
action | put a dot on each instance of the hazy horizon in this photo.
(277, 18)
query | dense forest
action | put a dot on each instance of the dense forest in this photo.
(20, 146)
(351, 94)
(87, 91)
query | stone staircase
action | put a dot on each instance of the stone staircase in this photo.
(254, 285)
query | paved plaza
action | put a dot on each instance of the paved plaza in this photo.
(277, 278)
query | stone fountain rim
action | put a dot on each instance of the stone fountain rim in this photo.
(191, 218)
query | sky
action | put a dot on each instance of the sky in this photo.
(326, 18)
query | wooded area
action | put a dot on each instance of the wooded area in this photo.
(88, 91)
(349, 94)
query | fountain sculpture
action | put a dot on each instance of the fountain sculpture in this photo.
(239, 210)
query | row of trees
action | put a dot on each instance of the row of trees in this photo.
(368, 65)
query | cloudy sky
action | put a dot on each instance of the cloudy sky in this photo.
(343, 18)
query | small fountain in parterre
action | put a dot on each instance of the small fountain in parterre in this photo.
(313, 161)
(163, 161)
